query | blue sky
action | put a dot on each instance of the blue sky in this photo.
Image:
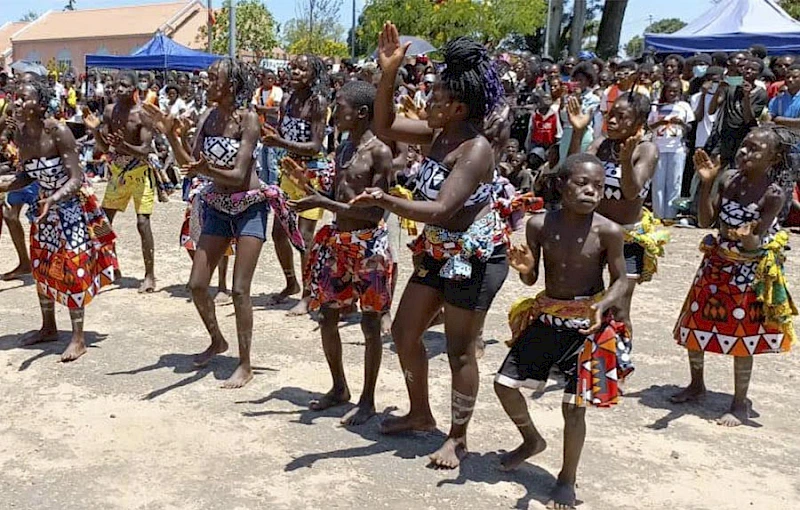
(636, 16)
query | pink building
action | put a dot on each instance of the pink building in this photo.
(66, 37)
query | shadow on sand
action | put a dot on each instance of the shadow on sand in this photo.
(221, 367)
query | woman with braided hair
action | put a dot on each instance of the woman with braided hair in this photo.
(738, 303)
(71, 238)
(300, 136)
(235, 204)
(463, 252)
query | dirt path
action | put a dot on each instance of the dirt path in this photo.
(133, 426)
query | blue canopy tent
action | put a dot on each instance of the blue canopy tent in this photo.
(160, 52)
(733, 25)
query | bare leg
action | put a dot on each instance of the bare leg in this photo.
(563, 496)
(417, 307)
(11, 217)
(209, 252)
(307, 228)
(223, 295)
(697, 388)
(283, 249)
(77, 345)
(148, 252)
(517, 409)
(48, 331)
(386, 318)
(110, 214)
(739, 412)
(461, 328)
(248, 250)
(332, 345)
(371, 327)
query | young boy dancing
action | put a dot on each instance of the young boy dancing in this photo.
(351, 259)
(570, 324)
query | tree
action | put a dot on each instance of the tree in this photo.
(70, 5)
(316, 29)
(610, 28)
(490, 21)
(792, 7)
(30, 16)
(635, 46)
(665, 26)
(255, 29)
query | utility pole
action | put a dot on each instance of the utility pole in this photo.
(232, 32)
(353, 35)
(209, 26)
(311, 4)
(547, 29)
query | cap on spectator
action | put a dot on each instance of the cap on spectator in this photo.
(702, 58)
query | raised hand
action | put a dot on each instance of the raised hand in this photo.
(410, 108)
(706, 168)
(296, 173)
(578, 119)
(390, 52)
(627, 149)
(91, 120)
(521, 258)
(162, 122)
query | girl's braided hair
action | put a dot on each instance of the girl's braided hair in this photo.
(242, 82)
(471, 77)
(786, 171)
(321, 84)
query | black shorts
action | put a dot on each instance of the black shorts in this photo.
(533, 355)
(476, 293)
(634, 259)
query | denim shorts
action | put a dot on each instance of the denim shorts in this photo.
(28, 195)
(252, 222)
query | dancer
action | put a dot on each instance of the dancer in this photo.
(463, 252)
(351, 259)
(235, 208)
(13, 203)
(127, 138)
(176, 132)
(71, 238)
(629, 164)
(738, 303)
(570, 324)
(300, 135)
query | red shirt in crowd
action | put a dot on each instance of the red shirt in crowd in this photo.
(545, 128)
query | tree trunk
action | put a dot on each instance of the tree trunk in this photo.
(578, 24)
(556, 15)
(610, 27)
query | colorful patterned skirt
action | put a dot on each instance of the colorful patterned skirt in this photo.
(738, 304)
(72, 250)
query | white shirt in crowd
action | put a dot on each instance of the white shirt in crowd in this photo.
(706, 124)
(670, 137)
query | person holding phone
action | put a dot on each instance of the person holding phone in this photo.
(584, 78)
(741, 103)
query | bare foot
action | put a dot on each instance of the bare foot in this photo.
(38, 337)
(148, 285)
(241, 376)
(15, 273)
(511, 460)
(738, 414)
(282, 296)
(450, 454)
(301, 308)
(223, 297)
(163, 197)
(689, 394)
(408, 423)
(562, 497)
(386, 324)
(331, 399)
(205, 357)
(359, 415)
(480, 348)
(74, 350)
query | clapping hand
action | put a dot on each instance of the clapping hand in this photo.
(706, 168)
(390, 52)
(197, 167)
(521, 258)
(370, 197)
(269, 135)
(578, 119)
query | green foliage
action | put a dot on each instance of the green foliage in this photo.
(792, 7)
(316, 30)
(30, 16)
(635, 46)
(255, 29)
(486, 20)
(665, 26)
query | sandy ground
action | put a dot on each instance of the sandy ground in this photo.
(133, 426)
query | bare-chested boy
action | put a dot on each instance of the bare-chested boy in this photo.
(570, 324)
(351, 259)
(126, 136)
